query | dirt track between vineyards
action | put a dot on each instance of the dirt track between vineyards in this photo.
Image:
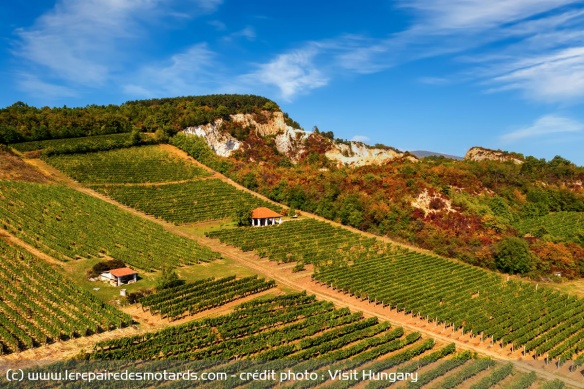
(302, 281)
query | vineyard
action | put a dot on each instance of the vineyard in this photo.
(298, 333)
(131, 165)
(307, 241)
(195, 297)
(295, 327)
(539, 320)
(565, 225)
(189, 202)
(112, 139)
(462, 297)
(39, 306)
(67, 224)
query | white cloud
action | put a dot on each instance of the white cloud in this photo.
(545, 125)
(552, 77)
(219, 25)
(33, 85)
(85, 42)
(477, 15)
(544, 32)
(247, 33)
(292, 73)
(193, 71)
(360, 138)
(434, 80)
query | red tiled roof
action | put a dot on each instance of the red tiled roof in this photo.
(123, 271)
(263, 213)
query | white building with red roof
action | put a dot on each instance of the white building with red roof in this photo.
(117, 277)
(265, 217)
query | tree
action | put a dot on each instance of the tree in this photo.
(168, 279)
(242, 214)
(512, 256)
(291, 212)
(135, 136)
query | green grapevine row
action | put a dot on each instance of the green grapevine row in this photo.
(565, 225)
(188, 202)
(295, 327)
(67, 224)
(88, 143)
(132, 165)
(448, 293)
(196, 297)
(38, 305)
(308, 240)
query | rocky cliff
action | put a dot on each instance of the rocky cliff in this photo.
(289, 141)
(481, 154)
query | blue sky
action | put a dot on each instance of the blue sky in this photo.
(441, 75)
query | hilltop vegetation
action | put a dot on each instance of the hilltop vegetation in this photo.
(22, 123)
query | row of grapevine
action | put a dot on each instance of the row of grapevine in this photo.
(307, 241)
(291, 333)
(39, 306)
(538, 320)
(565, 225)
(131, 165)
(195, 297)
(296, 327)
(89, 142)
(188, 202)
(67, 224)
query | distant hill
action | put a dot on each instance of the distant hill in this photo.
(425, 153)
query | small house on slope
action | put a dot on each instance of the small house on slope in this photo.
(117, 277)
(265, 217)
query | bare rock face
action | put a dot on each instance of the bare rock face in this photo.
(359, 154)
(221, 143)
(481, 154)
(289, 141)
(432, 203)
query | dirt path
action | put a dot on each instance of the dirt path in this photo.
(9, 238)
(195, 179)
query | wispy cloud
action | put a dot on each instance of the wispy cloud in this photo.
(545, 125)
(360, 138)
(219, 25)
(545, 33)
(85, 42)
(555, 76)
(434, 80)
(292, 73)
(193, 71)
(246, 33)
(45, 90)
(475, 15)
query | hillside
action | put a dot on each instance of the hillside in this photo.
(266, 135)
(178, 220)
(474, 210)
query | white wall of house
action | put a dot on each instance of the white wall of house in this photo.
(270, 221)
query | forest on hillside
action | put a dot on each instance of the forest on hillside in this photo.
(22, 123)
